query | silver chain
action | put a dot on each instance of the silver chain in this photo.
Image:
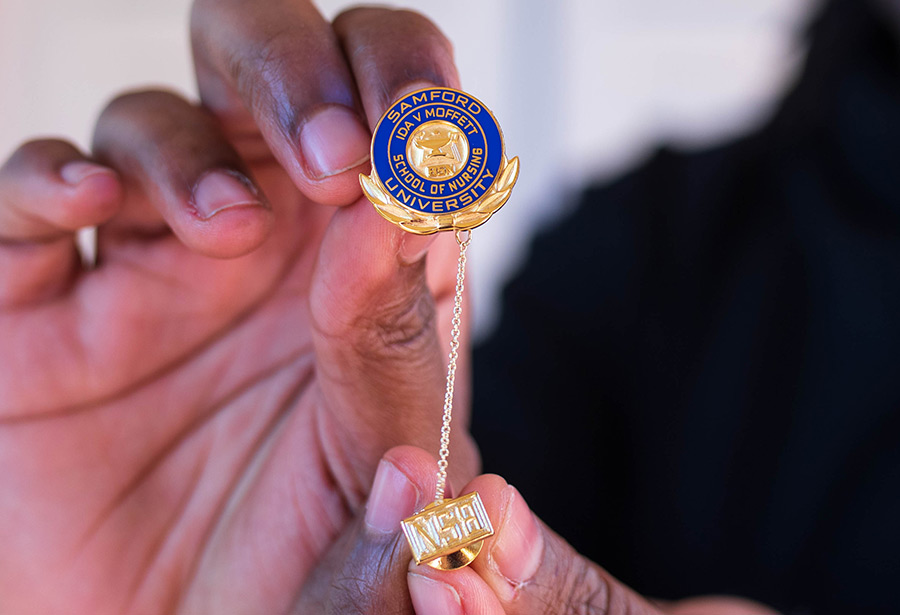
(463, 238)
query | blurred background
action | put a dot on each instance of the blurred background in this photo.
(582, 88)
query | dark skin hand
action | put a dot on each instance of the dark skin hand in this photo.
(189, 426)
(194, 426)
(524, 569)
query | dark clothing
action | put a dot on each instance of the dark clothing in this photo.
(696, 379)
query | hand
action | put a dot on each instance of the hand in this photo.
(364, 572)
(188, 427)
(524, 569)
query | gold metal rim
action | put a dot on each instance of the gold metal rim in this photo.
(457, 559)
(463, 220)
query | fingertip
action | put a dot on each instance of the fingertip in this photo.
(518, 546)
(233, 231)
(340, 190)
(93, 194)
(75, 172)
(220, 190)
(413, 248)
(227, 215)
(459, 592)
(431, 596)
(514, 553)
(385, 245)
(393, 498)
(417, 464)
(491, 488)
(330, 151)
(333, 142)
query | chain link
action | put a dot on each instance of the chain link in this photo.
(463, 238)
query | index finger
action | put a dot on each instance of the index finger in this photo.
(278, 66)
(392, 52)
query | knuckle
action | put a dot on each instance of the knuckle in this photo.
(207, 20)
(371, 566)
(349, 18)
(135, 102)
(259, 68)
(416, 22)
(378, 20)
(199, 18)
(349, 595)
(578, 588)
(398, 328)
(38, 152)
(590, 592)
(371, 27)
(142, 116)
(281, 62)
(284, 69)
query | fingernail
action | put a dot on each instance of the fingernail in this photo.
(73, 173)
(519, 547)
(393, 498)
(430, 597)
(413, 248)
(220, 190)
(333, 141)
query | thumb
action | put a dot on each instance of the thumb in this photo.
(380, 361)
(365, 570)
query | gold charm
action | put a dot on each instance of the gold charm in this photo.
(448, 535)
(438, 164)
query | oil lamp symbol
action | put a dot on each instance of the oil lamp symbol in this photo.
(439, 150)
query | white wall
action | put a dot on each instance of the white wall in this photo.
(582, 88)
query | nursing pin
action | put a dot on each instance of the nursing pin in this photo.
(438, 163)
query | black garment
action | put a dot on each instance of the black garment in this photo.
(697, 376)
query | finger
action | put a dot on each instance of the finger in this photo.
(276, 66)
(528, 566)
(48, 190)
(380, 361)
(365, 569)
(379, 343)
(377, 43)
(179, 168)
(460, 592)
(404, 484)
(717, 605)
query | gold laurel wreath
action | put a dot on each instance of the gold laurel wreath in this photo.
(465, 219)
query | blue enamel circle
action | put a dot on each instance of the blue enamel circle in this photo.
(472, 177)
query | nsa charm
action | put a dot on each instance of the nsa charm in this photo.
(438, 164)
(448, 533)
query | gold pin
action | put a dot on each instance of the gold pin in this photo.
(438, 164)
